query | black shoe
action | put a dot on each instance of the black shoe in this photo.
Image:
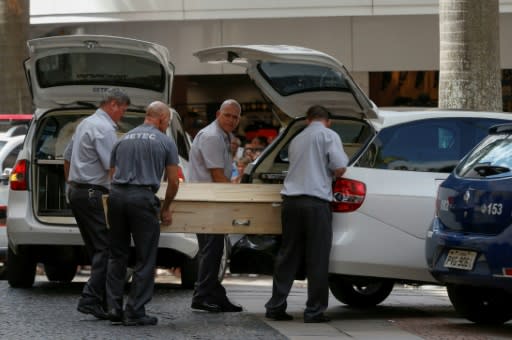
(206, 306)
(317, 319)
(95, 310)
(229, 307)
(278, 316)
(145, 320)
(115, 316)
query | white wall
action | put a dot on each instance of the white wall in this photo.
(362, 43)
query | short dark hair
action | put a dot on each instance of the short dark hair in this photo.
(115, 94)
(317, 112)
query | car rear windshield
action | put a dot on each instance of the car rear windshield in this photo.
(100, 68)
(491, 158)
(288, 79)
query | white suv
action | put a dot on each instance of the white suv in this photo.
(385, 202)
(67, 75)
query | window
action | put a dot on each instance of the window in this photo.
(288, 79)
(10, 159)
(103, 68)
(354, 135)
(434, 145)
(492, 158)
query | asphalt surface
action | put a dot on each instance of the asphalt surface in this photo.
(48, 311)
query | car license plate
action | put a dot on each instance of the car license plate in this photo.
(460, 259)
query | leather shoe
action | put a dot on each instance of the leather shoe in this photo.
(145, 320)
(115, 316)
(95, 310)
(278, 316)
(206, 306)
(317, 319)
(229, 307)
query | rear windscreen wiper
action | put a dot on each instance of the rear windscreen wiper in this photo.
(489, 170)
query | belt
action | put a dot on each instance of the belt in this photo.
(315, 198)
(89, 186)
(132, 186)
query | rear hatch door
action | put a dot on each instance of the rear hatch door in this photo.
(64, 70)
(295, 78)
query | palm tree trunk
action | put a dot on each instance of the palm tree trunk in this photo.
(14, 26)
(469, 63)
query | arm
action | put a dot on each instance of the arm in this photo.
(171, 172)
(338, 173)
(218, 176)
(66, 169)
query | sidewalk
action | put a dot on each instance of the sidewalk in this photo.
(242, 290)
(390, 321)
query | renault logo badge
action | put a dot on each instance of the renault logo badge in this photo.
(467, 196)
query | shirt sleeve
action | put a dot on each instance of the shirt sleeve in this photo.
(104, 142)
(172, 154)
(336, 154)
(212, 149)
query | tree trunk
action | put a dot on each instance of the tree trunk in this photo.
(14, 26)
(469, 63)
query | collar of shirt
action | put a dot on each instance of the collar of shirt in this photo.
(106, 116)
(227, 136)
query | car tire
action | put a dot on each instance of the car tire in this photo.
(21, 268)
(190, 267)
(60, 272)
(482, 305)
(359, 293)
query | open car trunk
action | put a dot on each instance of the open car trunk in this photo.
(50, 140)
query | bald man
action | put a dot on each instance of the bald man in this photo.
(138, 162)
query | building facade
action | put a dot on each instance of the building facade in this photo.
(391, 47)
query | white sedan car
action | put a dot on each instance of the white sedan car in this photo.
(385, 202)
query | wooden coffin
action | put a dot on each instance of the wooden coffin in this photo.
(218, 208)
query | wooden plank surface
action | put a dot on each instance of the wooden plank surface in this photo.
(225, 192)
(218, 208)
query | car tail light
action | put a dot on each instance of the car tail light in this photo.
(348, 195)
(181, 175)
(18, 177)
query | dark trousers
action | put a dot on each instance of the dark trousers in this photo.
(208, 287)
(307, 238)
(133, 212)
(87, 208)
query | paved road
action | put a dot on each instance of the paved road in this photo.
(47, 311)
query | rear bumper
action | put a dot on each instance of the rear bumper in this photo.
(494, 257)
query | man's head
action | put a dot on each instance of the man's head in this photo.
(228, 115)
(158, 114)
(318, 113)
(115, 102)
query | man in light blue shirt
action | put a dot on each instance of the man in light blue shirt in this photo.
(86, 167)
(316, 157)
(211, 161)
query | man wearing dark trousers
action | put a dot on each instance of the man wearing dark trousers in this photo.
(211, 161)
(86, 167)
(316, 157)
(138, 162)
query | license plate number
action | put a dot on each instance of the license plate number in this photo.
(460, 259)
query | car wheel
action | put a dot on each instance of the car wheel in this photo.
(190, 267)
(60, 272)
(490, 306)
(21, 268)
(360, 293)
